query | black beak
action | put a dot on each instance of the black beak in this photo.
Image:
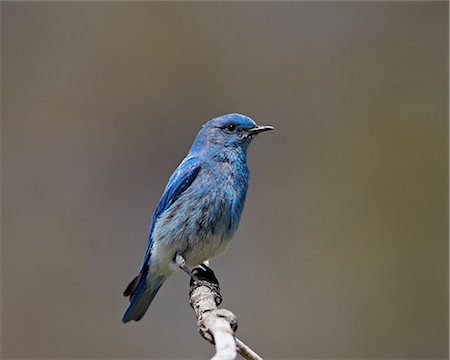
(259, 129)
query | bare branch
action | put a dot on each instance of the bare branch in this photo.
(216, 325)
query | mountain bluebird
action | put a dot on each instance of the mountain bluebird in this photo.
(200, 208)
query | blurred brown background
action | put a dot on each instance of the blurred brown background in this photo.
(343, 245)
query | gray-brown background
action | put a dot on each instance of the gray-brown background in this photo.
(342, 249)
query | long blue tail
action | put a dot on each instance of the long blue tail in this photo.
(141, 290)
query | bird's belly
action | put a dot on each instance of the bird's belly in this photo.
(194, 250)
(204, 249)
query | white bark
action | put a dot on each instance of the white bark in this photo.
(214, 324)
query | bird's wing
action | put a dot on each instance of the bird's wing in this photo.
(179, 182)
(181, 179)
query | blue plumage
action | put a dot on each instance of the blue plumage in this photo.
(200, 208)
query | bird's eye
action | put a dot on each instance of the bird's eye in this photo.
(231, 127)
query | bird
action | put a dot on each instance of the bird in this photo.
(199, 210)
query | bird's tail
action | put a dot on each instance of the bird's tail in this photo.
(141, 290)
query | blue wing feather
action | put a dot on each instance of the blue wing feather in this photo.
(180, 181)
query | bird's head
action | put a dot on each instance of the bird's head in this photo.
(232, 131)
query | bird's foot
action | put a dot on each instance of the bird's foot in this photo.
(201, 275)
(206, 277)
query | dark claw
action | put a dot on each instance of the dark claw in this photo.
(204, 273)
(206, 277)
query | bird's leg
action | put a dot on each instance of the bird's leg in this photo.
(181, 263)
